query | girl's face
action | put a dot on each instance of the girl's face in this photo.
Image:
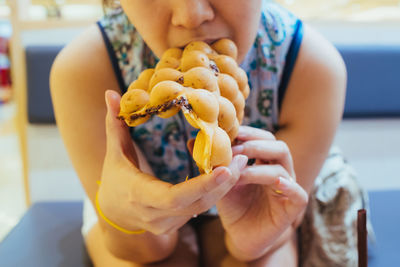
(174, 23)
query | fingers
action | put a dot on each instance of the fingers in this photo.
(193, 196)
(119, 141)
(198, 187)
(247, 133)
(113, 125)
(210, 199)
(267, 151)
(273, 176)
(165, 196)
(173, 205)
(262, 174)
(295, 194)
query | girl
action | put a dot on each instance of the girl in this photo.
(146, 211)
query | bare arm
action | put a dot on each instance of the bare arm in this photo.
(80, 76)
(311, 111)
(313, 106)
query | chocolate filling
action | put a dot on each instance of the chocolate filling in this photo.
(180, 80)
(214, 67)
(179, 102)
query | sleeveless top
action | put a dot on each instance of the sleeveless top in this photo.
(268, 65)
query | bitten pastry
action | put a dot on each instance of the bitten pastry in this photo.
(203, 81)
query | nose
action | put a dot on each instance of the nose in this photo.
(191, 13)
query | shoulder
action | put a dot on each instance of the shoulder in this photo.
(80, 75)
(279, 37)
(317, 52)
(84, 57)
(317, 84)
(82, 70)
(278, 21)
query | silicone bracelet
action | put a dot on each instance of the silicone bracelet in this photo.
(119, 228)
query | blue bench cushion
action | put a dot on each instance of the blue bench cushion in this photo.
(49, 235)
(385, 217)
(373, 81)
(39, 60)
(373, 87)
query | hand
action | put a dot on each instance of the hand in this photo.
(266, 200)
(135, 200)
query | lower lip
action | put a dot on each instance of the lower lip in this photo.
(207, 41)
(210, 41)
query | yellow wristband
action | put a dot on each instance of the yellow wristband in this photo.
(119, 228)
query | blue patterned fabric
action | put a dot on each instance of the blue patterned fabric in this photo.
(163, 141)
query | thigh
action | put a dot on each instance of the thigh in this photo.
(214, 252)
(186, 252)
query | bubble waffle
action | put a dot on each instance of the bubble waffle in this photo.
(204, 82)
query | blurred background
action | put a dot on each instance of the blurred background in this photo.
(34, 166)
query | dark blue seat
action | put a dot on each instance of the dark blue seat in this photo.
(49, 235)
(385, 217)
(39, 60)
(373, 88)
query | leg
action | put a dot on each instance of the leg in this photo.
(286, 255)
(214, 252)
(186, 253)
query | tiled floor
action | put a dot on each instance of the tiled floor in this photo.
(12, 201)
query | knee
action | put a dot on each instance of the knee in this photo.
(134, 252)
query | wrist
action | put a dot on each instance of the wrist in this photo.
(131, 243)
(251, 249)
(114, 224)
(241, 252)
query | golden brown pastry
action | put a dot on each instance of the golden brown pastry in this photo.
(203, 81)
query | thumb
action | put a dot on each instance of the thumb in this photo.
(117, 132)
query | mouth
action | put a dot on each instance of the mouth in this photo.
(208, 41)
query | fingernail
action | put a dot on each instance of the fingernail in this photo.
(106, 99)
(241, 135)
(241, 161)
(114, 95)
(237, 149)
(283, 183)
(223, 175)
(110, 94)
